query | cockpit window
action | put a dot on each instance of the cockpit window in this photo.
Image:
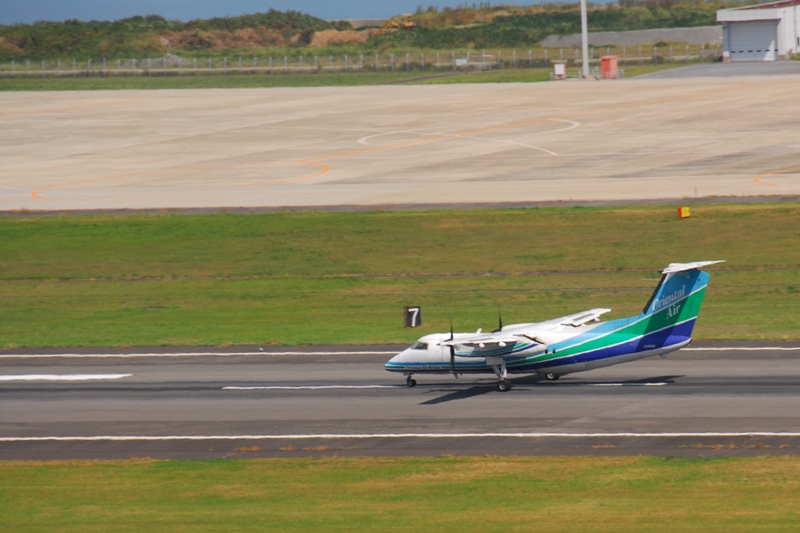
(419, 346)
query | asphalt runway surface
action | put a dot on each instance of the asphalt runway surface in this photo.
(726, 70)
(713, 399)
(377, 146)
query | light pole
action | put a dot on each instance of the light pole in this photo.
(584, 40)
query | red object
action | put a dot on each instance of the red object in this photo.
(608, 67)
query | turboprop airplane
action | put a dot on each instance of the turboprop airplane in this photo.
(568, 344)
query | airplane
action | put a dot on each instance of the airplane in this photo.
(569, 344)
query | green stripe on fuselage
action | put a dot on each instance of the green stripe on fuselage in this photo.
(676, 313)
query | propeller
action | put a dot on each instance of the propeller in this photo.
(499, 321)
(452, 352)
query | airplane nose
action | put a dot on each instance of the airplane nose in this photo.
(391, 364)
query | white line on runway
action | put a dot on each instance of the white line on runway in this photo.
(62, 377)
(376, 352)
(313, 387)
(184, 354)
(435, 385)
(533, 435)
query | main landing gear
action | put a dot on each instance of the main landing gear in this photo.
(552, 377)
(499, 367)
(410, 381)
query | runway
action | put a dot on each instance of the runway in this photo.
(714, 399)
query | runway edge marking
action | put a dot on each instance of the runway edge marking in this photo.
(184, 354)
(537, 435)
(234, 354)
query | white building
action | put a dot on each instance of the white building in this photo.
(764, 32)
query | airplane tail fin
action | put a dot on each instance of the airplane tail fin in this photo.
(677, 299)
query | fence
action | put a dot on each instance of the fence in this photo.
(453, 60)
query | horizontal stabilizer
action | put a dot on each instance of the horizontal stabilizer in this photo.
(681, 267)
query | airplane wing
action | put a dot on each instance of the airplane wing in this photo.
(574, 320)
(481, 341)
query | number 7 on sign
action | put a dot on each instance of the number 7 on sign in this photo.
(412, 316)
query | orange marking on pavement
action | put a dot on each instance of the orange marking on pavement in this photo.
(757, 179)
(325, 168)
(71, 108)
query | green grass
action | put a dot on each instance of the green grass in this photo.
(324, 277)
(604, 494)
(285, 80)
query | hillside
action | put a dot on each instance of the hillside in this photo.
(291, 31)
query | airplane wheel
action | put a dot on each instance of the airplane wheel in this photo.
(503, 385)
(552, 377)
(411, 382)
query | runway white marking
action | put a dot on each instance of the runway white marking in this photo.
(435, 385)
(532, 435)
(387, 353)
(315, 387)
(182, 354)
(62, 377)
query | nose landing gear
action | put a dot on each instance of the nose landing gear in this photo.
(411, 382)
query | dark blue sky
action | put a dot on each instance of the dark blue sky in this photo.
(14, 11)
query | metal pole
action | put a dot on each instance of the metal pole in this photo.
(361, 60)
(345, 62)
(422, 61)
(43, 73)
(285, 64)
(584, 39)
(438, 62)
(28, 68)
(377, 68)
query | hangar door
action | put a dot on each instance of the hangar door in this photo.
(754, 40)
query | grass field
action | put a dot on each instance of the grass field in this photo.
(286, 80)
(614, 494)
(324, 277)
